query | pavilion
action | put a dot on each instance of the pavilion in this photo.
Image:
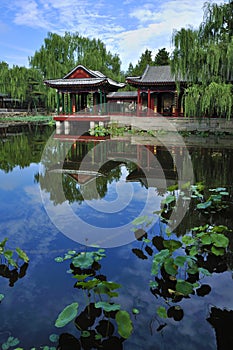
(157, 92)
(85, 94)
(83, 91)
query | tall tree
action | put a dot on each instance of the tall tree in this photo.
(4, 74)
(59, 54)
(23, 84)
(205, 58)
(129, 72)
(162, 58)
(144, 60)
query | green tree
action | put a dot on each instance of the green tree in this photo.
(162, 58)
(23, 84)
(144, 60)
(129, 72)
(4, 70)
(204, 57)
(60, 54)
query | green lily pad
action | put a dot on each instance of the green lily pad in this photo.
(169, 199)
(67, 315)
(170, 267)
(124, 323)
(22, 255)
(135, 311)
(59, 259)
(172, 244)
(184, 287)
(140, 220)
(107, 306)
(83, 260)
(219, 240)
(162, 312)
(11, 341)
(54, 338)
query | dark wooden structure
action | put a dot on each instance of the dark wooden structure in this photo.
(83, 91)
(122, 102)
(157, 92)
(85, 94)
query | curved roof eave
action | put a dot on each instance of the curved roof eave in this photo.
(59, 83)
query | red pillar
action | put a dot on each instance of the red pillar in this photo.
(175, 111)
(139, 102)
(148, 102)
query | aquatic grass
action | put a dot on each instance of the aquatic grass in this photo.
(32, 118)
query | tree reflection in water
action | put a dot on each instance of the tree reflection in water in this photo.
(222, 322)
(207, 163)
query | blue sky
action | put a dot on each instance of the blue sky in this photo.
(127, 27)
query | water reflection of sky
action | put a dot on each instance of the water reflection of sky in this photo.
(123, 202)
(32, 305)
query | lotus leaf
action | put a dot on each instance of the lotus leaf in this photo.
(54, 338)
(22, 255)
(140, 220)
(162, 312)
(180, 260)
(184, 287)
(83, 260)
(85, 334)
(169, 199)
(217, 251)
(11, 341)
(219, 240)
(135, 311)
(8, 254)
(59, 259)
(188, 240)
(107, 306)
(206, 239)
(172, 244)
(204, 205)
(67, 315)
(124, 324)
(170, 267)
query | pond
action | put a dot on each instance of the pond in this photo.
(103, 225)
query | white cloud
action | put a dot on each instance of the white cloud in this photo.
(126, 29)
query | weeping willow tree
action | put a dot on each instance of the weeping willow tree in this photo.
(204, 58)
(4, 69)
(22, 84)
(60, 54)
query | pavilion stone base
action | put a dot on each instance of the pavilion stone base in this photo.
(68, 127)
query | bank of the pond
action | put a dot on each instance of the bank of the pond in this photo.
(212, 125)
(187, 127)
(21, 121)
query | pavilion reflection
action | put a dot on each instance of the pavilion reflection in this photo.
(89, 163)
(222, 321)
(94, 157)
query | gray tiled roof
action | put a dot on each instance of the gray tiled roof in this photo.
(70, 82)
(83, 82)
(122, 94)
(154, 75)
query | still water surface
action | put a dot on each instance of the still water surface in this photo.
(31, 306)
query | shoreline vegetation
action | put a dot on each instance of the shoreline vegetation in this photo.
(186, 126)
(21, 117)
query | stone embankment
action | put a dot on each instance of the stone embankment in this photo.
(156, 123)
(4, 113)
